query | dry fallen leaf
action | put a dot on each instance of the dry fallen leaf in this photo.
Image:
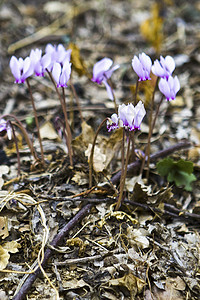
(47, 131)
(12, 246)
(3, 227)
(99, 158)
(131, 282)
(4, 258)
(4, 252)
(137, 237)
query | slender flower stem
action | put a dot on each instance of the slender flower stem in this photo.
(36, 120)
(123, 176)
(17, 148)
(25, 133)
(136, 91)
(148, 149)
(62, 102)
(64, 107)
(92, 152)
(114, 98)
(149, 142)
(132, 137)
(151, 128)
(77, 100)
(59, 121)
(123, 158)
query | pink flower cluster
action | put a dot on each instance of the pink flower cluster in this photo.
(168, 85)
(56, 60)
(142, 65)
(129, 116)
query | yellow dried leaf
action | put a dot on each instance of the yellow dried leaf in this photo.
(3, 227)
(4, 258)
(86, 137)
(47, 131)
(11, 149)
(12, 246)
(131, 282)
(77, 61)
(152, 28)
(75, 284)
(99, 158)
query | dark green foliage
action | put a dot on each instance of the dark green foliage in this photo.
(179, 172)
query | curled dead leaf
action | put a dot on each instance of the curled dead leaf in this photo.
(134, 284)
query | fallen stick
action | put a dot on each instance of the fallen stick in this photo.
(57, 239)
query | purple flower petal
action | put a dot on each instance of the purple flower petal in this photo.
(169, 64)
(169, 87)
(100, 68)
(112, 123)
(140, 112)
(15, 68)
(56, 71)
(142, 66)
(164, 68)
(109, 90)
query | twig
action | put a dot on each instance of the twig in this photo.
(168, 210)
(57, 239)
(81, 260)
(160, 154)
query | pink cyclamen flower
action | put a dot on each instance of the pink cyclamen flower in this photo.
(140, 112)
(142, 66)
(164, 68)
(61, 74)
(113, 122)
(128, 116)
(102, 71)
(40, 63)
(132, 116)
(21, 69)
(58, 54)
(5, 128)
(169, 87)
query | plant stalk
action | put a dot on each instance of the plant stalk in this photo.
(92, 152)
(36, 120)
(123, 176)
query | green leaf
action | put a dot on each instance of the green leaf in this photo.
(184, 179)
(179, 172)
(185, 166)
(164, 166)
